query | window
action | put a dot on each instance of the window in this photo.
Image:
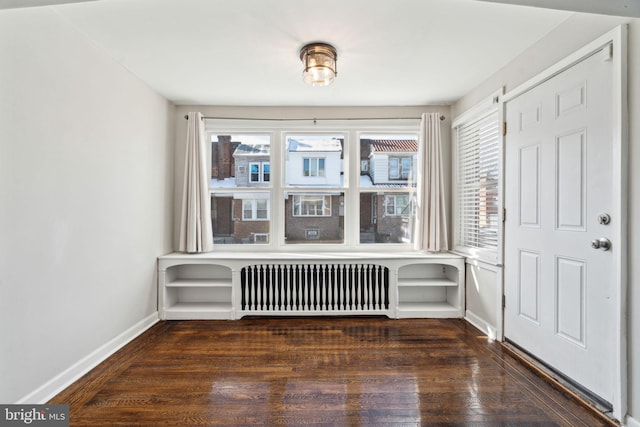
(478, 154)
(240, 187)
(406, 167)
(387, 189)
(399, 167)
(323, 187)
(314, 172)
(255, 210)
(394, 168)
(313, 167)
(259, 172)
(396, 205)
(311, 205)
(260, 238)
(364, 166)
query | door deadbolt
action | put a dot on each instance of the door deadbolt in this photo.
(601, 243)
(604, 219)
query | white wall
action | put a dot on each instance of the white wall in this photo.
(574, 33)
(85, 190)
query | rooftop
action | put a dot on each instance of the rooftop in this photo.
(317, 145)
(251, 150)
(394, 146)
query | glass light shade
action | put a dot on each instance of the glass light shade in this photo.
(320, 62)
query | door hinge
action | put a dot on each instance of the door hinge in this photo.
(504, 301)
(504, 214)
(504, 128)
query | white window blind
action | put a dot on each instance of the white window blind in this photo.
(477, 189)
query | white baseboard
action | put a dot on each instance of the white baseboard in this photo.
(63, 380)
(632, 422)
(481, 324)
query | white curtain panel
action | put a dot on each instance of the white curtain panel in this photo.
(432, 229)
(195, 223)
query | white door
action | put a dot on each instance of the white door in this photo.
(559, 290)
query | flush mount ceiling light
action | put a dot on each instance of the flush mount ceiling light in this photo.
(320, 60)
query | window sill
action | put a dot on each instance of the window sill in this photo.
(305, 256)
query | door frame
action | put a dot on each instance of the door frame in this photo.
(617, 38)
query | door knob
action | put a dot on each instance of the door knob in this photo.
(601, 243)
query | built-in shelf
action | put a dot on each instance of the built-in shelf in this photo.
(430, 289)
(195, 292)
(426, 282)
(209, 286)
(204, 283)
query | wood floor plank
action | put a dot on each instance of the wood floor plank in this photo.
(318, 371)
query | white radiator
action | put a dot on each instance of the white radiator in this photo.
(314, 289)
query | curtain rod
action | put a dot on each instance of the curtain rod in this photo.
(314, 119)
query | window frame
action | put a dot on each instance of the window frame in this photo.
(403, 171)
(261, 235)
(395, 204)
(349, 188)
(261, 173)
(307, 172)
(254, 210)
(325, 208)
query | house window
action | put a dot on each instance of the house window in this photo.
(405, 167)
(396, 205)
(477, 172)
(255, 210)
(313, 167)
(399, 167)
(311, 205)
(259, 172)
(394, 168)
(261, 238)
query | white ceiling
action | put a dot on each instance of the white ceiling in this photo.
(245, 52)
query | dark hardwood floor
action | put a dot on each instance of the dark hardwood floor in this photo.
(318, 371)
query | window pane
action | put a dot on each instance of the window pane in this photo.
(238, 217)
(305, 163)
(390, 205)
(406, 167)
(314, 160)
(388, 160)
(247, 210)
(387, 218)
(314, 218)
(394, 171)
(238, 161)
(255, 172)
(313, 168)
(262, 209)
